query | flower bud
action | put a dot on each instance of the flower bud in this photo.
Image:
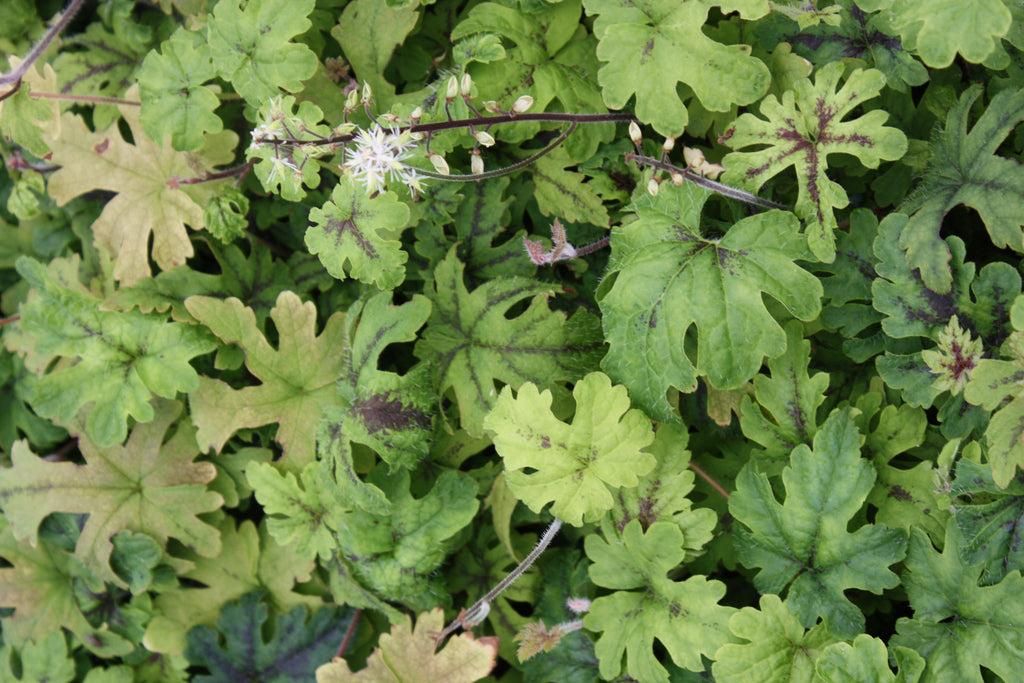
(483, 138)
(367, 93)
(466, 85)
(677, 179)
(669, 144)
(476, 164)
(453, 88)
(634, 133)
(440, 165)
(653, 187)
(416, 114)
(522, 104)
(352, 101)
(694, 157)
(492, 106)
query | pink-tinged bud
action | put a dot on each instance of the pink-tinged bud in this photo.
(484, 138)
(440, 165)
(466, 85)
(536, 252)
(453, 88)
(578, 605)
(634, 133)
(522, 104)
(476, 164)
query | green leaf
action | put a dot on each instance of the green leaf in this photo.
(21, 114)
(133, 558)
(144, 486)
(684, 616)
(989, 518)
(297, 646)
(298, 377)
(144, 175)
(388, 412)
(939, 29)
(296, 514)
(369, 31)
(396, 553)
(552, 61)
(571, 466)
(40, 586)
(151, 356)
(662, 494)
(964, 169)
(801, 130)
(783, 412)
(251, 47)
(469, 342)
(959, 626)
(778, 649)
(410, 655)
(359, 229)
(250, 559)
(562, 193)
(804, 543)
(652, 45)
(866, 660)
(44, 661)
(669, 277)
(174, 100)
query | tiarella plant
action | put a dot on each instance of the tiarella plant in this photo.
(511, 340)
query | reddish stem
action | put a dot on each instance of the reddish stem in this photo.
(709, 479)
(91, 99)
(216, 175)
(7, 321)
(349, 632)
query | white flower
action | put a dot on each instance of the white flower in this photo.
(379, 156)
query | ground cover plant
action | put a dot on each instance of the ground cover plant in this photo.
(511, 340)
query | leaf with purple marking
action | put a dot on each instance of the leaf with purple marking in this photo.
(362, 231)
(801, 131)
(470, 343)
(386, 411)
(965, 169)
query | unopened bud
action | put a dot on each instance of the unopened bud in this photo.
(652, 187)
(416, 114)
(466, 85)
(492, 106)
(440, 165)
(352, 101)
(453, 88)
(483, 138)
(669, 144)
(677, 179)
(476, 164)
(390, 118)
(634, 133)
(367, 93)
(522, 104)
(694, 157)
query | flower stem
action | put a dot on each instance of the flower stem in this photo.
(39, 48)
(707, 183)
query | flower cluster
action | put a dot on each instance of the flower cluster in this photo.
(379, 156)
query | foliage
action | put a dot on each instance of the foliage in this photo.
(603, 339)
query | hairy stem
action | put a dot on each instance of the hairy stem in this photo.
(707, 183)
(90, 99)
(39, 48)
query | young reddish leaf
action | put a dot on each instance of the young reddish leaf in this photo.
(684, 616)
(571, 466)
(147, 486)
(142, 174)
(803, 543)
(535, 637)
(407, 655)
(801, 131)
(964, 169)
(469, 342)
(652, 45)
